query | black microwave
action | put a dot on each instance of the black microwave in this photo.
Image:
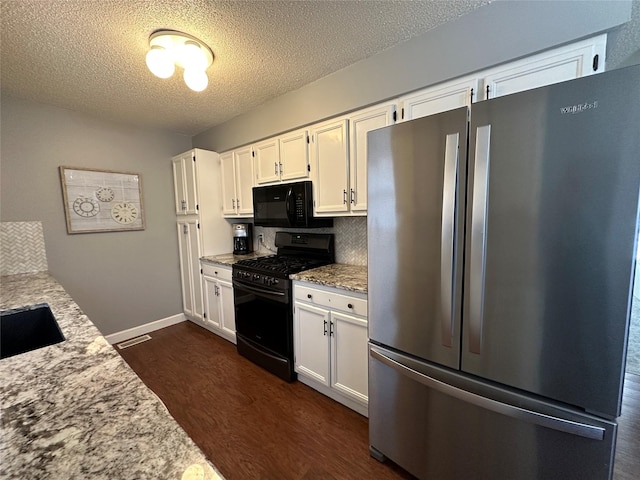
(286, 205)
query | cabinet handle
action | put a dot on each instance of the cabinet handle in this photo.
(233, 203)
(325, 328)
(238, 203)
(185, 229)
(353, 196)
(280, 168)
(215, 272)
(331, 329)
(349, 305)
(184, 204)
(344, 197)
(275, 168)
(217, 291)
(309, 295)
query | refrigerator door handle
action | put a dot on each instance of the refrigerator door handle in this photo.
(560, 424)
(447, 235)
(478, 237)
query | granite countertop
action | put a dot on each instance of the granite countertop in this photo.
(76, 410)
(229, 258)
(339, 275)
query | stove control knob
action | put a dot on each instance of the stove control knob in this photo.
(275, 281)
(256, 276)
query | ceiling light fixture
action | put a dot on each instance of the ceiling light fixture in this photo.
(168, 48)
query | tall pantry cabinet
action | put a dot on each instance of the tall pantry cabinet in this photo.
(201, 229)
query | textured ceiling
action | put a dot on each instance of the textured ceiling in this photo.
(89, 55)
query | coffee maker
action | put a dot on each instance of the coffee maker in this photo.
(242, 238)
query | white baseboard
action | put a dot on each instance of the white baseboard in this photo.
(146, 328)
(338, 397)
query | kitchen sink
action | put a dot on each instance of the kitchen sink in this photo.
(28, 328)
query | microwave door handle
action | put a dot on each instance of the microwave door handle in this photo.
(290, 213)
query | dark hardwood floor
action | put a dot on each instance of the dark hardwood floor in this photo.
(252, 425)
(249, 423)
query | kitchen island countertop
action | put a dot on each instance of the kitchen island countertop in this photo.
(76, 409)
(352, 278)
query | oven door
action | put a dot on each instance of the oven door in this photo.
(263, 316)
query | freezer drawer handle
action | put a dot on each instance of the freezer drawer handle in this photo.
(562, 425)
(446, 240)
(478, 237)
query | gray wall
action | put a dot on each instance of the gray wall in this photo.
(120, 279)
(494, 34)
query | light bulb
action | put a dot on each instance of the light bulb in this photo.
(196, 80)
(160, 62)
(192, 56)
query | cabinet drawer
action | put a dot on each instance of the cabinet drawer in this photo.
(334, 301)
(216, 271)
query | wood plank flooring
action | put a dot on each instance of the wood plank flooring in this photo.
(249, 423)
(252, 425)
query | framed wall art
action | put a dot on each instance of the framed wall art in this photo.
(101, 200)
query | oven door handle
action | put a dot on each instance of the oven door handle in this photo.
(251, 288)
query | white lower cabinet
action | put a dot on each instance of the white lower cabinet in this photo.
(219, 314)
(189, 249)
(330, 343)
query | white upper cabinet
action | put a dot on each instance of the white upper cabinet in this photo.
(330, 166)
(283, 158)
(294, 155)
(237, 182)
(333, 153)
(360, 124)
(440, 98)
(558, 65)
(267, 161)
(227, 165)
(184, 183)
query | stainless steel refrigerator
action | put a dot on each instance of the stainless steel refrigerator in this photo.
(501, 259)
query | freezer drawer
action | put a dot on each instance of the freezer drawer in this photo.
(443, 425)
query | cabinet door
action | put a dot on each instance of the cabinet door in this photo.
(440, 98)
(559, 65)
(267, 161)
(184, 246)
(294, 155)
(227, 312)
(360, 124)
(211, 303)
(349, 356)
(189, 246)
(196, 279)
(190, 182)
(330, 159)
(179, 188)
(228, 184)
(244, 181)
(311, 342)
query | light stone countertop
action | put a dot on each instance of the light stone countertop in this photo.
(76, 410)
(352, 278)
(229, 258)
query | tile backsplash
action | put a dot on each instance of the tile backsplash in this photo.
(22, 248)
(350, 237)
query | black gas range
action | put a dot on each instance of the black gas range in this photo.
(263, 303)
